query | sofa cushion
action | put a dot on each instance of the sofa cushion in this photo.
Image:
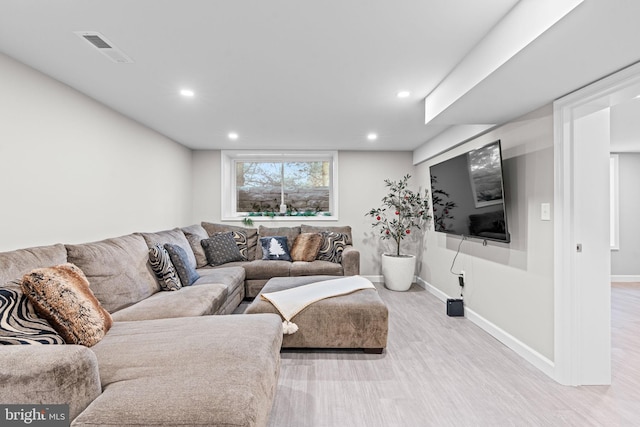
(251, 233)
(49, 374)
(118, 270)
(180, 261)
(333, 244)
(19, 323)
(187, 302)
(230, 378)
(162, 266)
(221, 248)
(275, 248)
(289, 232)
(194, 234)
(174, 237)
(15, 264)
(231, 277)
(261, 269)
(345, 229)
(306, 247)
(314, 268)
(61, 295)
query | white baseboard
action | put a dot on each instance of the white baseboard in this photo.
(375, 279)
(520, 348)
(625, 278)
(380, 278)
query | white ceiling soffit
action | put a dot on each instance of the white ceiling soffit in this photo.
(522, 25)
(448, 139)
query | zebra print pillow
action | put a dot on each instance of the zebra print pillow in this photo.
(19, 323)
(163, 268)
(333, 243)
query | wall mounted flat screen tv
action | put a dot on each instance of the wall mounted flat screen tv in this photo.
(468, 195)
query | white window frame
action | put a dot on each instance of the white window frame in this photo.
(228, 192)
(614, 203)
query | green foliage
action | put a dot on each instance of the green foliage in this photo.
(402, 210)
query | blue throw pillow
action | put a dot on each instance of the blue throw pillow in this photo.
(180, 261)
(275, 248)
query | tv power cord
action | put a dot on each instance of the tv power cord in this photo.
(460, 276)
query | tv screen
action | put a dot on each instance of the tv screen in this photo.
(468, 195)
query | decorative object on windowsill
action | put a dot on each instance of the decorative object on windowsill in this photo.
(248, 220)
(402, 211)
(266, 210)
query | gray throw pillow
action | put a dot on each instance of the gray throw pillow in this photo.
(19, 323)
(275, 248)
(163, 268)
(221, 248)
(180, 260)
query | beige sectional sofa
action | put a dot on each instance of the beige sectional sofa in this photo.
(258, 271)
(166, 360)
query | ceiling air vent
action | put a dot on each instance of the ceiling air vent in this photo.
(104, 46)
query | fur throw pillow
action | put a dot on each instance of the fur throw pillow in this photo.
(62, 296)
(306, 247)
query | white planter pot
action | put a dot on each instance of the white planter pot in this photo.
(398, 271)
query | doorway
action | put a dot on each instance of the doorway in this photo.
(582, 246)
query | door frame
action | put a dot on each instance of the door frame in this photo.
(569, 296)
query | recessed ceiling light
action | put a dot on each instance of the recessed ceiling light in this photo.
(187, 92)
(372, 136)
(403, 94)
(232, 136)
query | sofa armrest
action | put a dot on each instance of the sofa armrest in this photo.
(351, 261)
(49, 374)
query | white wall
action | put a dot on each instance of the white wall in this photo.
(361, 177)
(73, 170)
(508, 285)
(625, 261)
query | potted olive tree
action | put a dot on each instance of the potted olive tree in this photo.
(402, 211)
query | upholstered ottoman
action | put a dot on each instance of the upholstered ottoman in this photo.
(357, 320)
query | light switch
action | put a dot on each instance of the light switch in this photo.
(545, 211)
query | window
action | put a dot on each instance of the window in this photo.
(284, 184)
(614, 218)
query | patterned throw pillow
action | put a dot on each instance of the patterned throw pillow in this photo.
(61, 295)
(163, 268)
(275, 248)
(240, 238)
(180, 260)
(19, 323)
(306, 247)
(221, 248)
(333, 244)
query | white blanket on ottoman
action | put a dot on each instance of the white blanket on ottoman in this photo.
(290, 302)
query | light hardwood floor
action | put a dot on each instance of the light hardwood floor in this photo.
(442, 371)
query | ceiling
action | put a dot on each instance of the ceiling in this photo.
(287, 74)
